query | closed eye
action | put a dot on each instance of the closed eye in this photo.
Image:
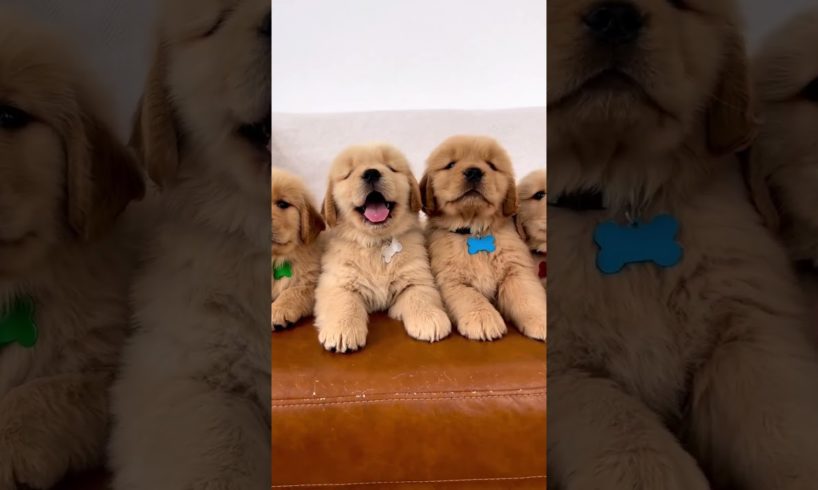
(450, 166)
(391, 168)
(12, 118)
(493, 166)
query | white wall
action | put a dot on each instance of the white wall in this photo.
(362, 55)
(331, 55)
(763, 15)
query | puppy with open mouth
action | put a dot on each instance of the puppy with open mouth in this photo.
(296, 250)
(479, 260)
(376, 258)
(531, 219)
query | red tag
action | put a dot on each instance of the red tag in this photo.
(542, 270)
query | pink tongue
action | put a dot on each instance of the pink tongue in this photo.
(376, 213)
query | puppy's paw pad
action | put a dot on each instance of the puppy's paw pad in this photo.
(484, 324)
(429, 325)
(342, 339)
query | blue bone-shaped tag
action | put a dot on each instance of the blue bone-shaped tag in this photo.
(482, 244)
(654, 241)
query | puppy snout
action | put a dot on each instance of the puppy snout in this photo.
(473, 175)
(264, 27)
(614, 22)
(371, 176)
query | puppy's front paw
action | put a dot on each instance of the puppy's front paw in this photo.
(27, 461)
(283, 317)
(430, 325)
(482, 324)
(677, 471)
(343, 336)
(533, 326)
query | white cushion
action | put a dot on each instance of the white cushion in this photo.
(306, 144)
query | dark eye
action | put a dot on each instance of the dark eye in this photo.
(539, 196)
(810, 92)
(283, 205)
(450, 165)
(493, 166)
(12, 118)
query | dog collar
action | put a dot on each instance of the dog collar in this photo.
(17, 323)
(282, 271)
(585, 200)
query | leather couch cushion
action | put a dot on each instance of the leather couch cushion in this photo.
(457, 414)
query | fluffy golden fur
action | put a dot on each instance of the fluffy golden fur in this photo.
(471, 285)
(531, 218)
(296, 226)
(784, 158)
(64, 180)
(696, 375)
(356, 278)
(192, 406)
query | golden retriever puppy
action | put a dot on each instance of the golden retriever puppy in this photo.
(376, 257)
(784, 158)
(296, 251)
(65, 259)
(680, 356)
(192, 405)
(531, 219)
(478, 259)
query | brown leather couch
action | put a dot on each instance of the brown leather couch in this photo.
(406, 414)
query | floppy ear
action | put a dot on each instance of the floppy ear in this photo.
(312, 224)
(102, 176)
(329, 211)
(731, 120)
(155, 135)
(427, 195)
(512, 201)
(415, 199)
(760, 191)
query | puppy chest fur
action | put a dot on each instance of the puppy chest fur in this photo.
(651, 329)
(483, 271)
(365, 272)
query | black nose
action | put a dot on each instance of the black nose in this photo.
(473, 174)
(264, 28)
(614, 22)
(371, 176)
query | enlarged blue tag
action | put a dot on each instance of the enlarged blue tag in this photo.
(482, 244)
(621, 245)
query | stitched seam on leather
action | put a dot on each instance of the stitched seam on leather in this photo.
(413, 482)
(406, 399)
(413, 393)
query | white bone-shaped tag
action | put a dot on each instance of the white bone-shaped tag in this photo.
(389, 251)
